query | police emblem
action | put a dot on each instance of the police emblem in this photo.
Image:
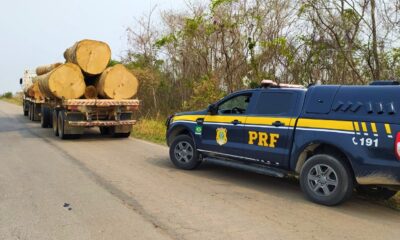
(222, 136)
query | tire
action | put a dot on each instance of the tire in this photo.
(111, 131)
(55, 122)
(122, 135)
(104, 131)
(375, 192)
(326, 180)
(30, 110)
(45, 118)
(33, 112)
(60, 123)
(183, 153)
(24, 108)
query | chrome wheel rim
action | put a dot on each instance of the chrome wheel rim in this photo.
(183, 152)
(322, 180)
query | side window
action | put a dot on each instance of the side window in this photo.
(275, 103)
(235, 105)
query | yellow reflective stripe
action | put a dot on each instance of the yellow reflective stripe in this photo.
(224, 119)
(364, 127)
(373, 127)
(326, 124)
(356, 126)
(192, 118)
(268, 120)
(388, 129)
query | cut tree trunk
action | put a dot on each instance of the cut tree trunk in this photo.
(34, 92)
(117, 82)
(90, 92)
(91, 56)
(64, 82)
(41, 70)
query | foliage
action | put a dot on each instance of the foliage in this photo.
(113, 63)
(7, 95)
(205, 92)
(196, 56)
(150, 130)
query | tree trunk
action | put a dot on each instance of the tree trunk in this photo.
(64, 82)
(376, 73)
(34, 91)
(117, 82)
(90, 92)
(91, 56)
(41, 70)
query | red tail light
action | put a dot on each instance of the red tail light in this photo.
(397, 146)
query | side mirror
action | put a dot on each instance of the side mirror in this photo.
(20, 81)
(212, 109)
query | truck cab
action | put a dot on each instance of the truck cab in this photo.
(333, 138)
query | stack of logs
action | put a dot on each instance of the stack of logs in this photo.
(86, 75)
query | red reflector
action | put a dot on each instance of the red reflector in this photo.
(73, 108)
(397, 146)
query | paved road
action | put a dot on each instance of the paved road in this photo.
(101, 188)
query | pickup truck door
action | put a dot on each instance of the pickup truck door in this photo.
(223, 134)
(269, 129)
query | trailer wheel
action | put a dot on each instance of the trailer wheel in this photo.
(30, 110)
(55, 122)
(104, 131)
(24, 108)
(45, 117)
(61, 122)
(34, 112)
(122, 135)
(118, 135)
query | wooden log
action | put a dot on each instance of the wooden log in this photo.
(117, 82)
(91, 56)
(34, 92)
(64, 82)
(90, 92)
(41, 70)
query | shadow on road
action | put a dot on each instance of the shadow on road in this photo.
(287, 188)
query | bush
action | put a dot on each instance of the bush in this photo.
(7, 95)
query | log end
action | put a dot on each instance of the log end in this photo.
(92, 56)
(118, 82)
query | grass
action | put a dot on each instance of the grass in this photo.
(14, 100)
(394, 202)
(150, 130)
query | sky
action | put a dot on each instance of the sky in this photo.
(34, 33)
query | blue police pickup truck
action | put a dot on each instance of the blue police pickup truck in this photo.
(335, 139)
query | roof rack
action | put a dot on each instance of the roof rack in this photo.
(272, 84)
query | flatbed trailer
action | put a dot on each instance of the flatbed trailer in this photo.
(69, 118)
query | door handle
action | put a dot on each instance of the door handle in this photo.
(278, 124)
(236, 122)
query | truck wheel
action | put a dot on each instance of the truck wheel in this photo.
(45, 117)
(326, 180)
(375, 192)
(61, 125)
(104, 131)
(122, 135)
(34, 112)
(55, 122)
(30, 111)
(24, 108)
(183, 153)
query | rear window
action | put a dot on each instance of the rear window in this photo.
(275, 103)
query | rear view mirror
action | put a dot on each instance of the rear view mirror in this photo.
(20, 81)
(212, 109)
